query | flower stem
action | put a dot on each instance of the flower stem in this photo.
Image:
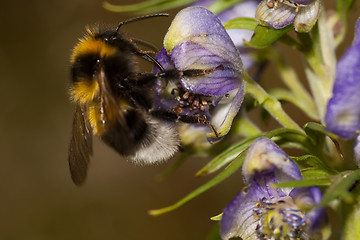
(270, 103)
(289, 77)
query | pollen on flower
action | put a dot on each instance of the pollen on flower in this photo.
(279, 219)
(270, 4)
(274, 3)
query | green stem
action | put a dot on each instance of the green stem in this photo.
(321, 66)
(291, 80)
(282, 94)
(270, 103)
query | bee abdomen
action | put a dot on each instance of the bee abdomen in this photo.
(160, 142)
(145, 140)
(125, 136)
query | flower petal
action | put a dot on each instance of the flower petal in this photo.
(164, 59)
(238, 217)
(275, 17)
(343, 112)
(245, 8)
(265, 156)
(307, 17)
(197, 40)
(225, 112)
(189, 55)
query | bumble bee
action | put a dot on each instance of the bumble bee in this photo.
(113, 101)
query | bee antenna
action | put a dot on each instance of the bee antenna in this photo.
(135, 19)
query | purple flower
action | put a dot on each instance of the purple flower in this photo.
(280, 13)
(197, 41)
(262, 211)
(245, 8)
(343, 109)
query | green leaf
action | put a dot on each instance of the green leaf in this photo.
(280, 136)
(342, 183)
(242, 23)
(314, 169)
(265, 36)
(285, 95)
(314, 174)
(284, 136)
(316, 127)
(235, 165)
(315, 164)
(146, 7)
(318, 132)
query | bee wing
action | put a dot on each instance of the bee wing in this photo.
(108, 103)
(80, 148)
(117, 132)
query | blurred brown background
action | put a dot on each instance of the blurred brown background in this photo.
(37, 198)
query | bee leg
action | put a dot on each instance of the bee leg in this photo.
(196, 119)
(172, 116)
(142, 79)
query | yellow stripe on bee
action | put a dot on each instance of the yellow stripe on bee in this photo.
(90, 45)
(84, 90)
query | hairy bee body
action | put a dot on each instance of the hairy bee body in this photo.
(113, 101)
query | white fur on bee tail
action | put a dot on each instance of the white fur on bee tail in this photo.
(161, 143)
